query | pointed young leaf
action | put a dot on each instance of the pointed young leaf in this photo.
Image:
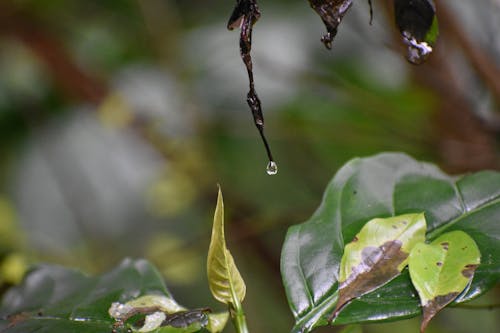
(378, 254)
(226, 283)
(440, 271)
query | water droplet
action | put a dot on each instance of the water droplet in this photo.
(80, 319)
(418, 51)
(378, 295)
(272, 168)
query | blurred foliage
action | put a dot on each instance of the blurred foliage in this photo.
(13, 262)
(118, 118)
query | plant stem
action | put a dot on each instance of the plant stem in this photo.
(238, 318)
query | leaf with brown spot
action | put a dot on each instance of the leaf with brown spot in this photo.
(378, 254)
(388, 184)
(440, 271)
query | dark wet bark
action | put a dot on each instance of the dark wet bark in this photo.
(244, 16)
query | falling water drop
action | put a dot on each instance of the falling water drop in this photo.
(417, 52)
(272, 168)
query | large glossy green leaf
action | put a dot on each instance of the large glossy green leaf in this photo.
(440, 271)
(54, 299)
(386, 185)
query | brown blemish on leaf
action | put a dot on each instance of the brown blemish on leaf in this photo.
(404, 222)
(445, 245)
(355, 239)
(378, 266)
(434, 306)
(146, 310)
(468, 271)
(439, 264)
(394, 226)
(17, 318)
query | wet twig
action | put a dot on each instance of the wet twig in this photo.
(244, 16)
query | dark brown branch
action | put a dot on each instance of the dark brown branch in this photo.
(244, 15)
(332, 12)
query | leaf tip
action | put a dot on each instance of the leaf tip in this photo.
(225, 281)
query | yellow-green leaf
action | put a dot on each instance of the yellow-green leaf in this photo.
(217, 321)
(378, 253)
(440, 271)
(225, 281)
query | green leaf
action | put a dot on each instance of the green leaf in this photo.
(378, 254)
(440, 271)
(217, 321)
(226, 283)
(53, 299)
(386, 185)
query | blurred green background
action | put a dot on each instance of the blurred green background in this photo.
(119, 117)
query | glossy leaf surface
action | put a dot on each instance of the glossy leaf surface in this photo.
(225, 280)
(53, 299)
(440, 271)
(378, 254)
(385, 185)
